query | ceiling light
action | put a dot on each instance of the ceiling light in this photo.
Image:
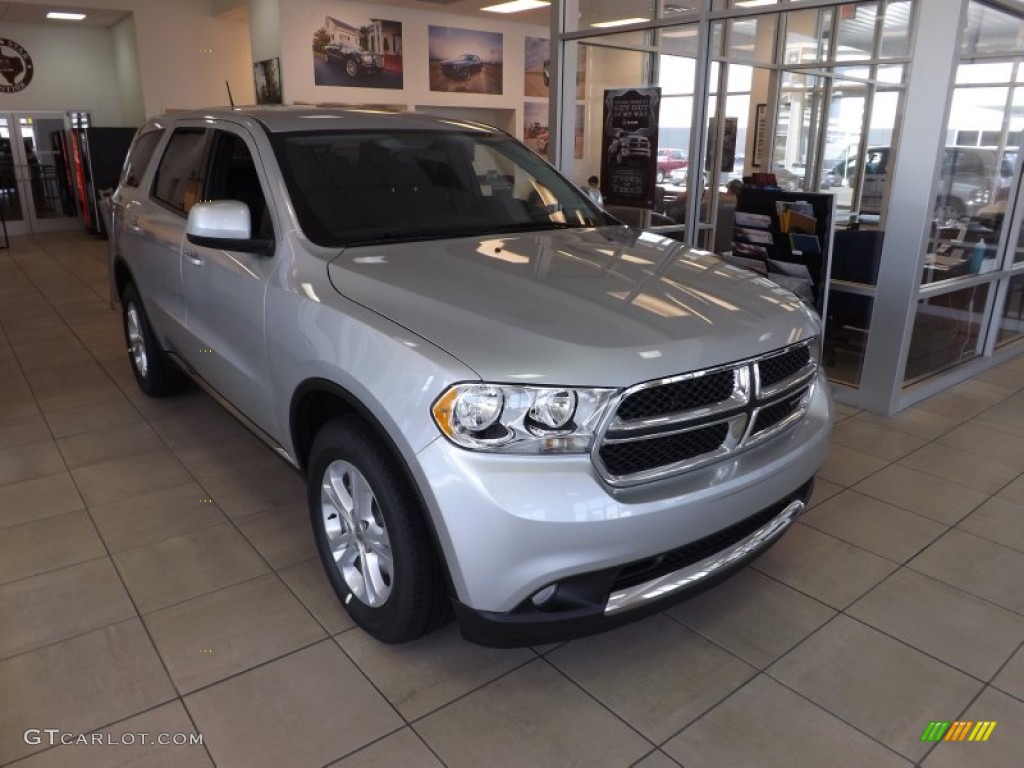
(619, 22)
(515, 6)
(753, 3)
(65, 15)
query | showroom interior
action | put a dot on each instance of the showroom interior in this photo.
(158, 573)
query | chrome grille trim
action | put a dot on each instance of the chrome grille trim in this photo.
(740, 411)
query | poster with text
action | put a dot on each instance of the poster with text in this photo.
(358, 52)
(629, 142)
(465, 60)
(538, 67)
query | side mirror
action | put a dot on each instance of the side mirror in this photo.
(225, 225)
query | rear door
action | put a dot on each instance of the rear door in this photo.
(225, 291)
(155, 226)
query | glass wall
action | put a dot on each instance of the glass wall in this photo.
(976, 177)
(816, 93)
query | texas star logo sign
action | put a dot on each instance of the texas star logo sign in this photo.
(16, 67)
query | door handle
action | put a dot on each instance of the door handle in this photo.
(193, 257)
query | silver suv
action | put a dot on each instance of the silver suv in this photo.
(506, 403)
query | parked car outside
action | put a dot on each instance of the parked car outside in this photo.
(462, 68)
(507, 405)
(970, 178)
(670, 160)
(356, 61)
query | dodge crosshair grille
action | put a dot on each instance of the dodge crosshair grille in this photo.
(663, 427)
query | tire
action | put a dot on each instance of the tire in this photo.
(154, 371)
(351, 69)
(387, 575)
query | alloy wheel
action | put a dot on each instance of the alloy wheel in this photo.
(136, 340)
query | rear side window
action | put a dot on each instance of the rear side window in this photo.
(139, 156)
(179, 181)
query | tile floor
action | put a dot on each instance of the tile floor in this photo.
(157, 575)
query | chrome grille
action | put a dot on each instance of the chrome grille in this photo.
(663, 427)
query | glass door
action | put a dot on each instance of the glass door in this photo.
(35, 193)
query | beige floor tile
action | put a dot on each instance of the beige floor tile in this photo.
(843, 411)
(23, 431)
(108, 444)
(198, 421)
(38, 498)
(958, 405)
(94, 679)
(913, 421)
(45, 545)
(402, 748)
(922, 493)
(998, 520)
(984, 441)
(657, 759)
(226, 632)
(208, 458)
(247, 492)
(309, 583)
(822, 566)
(1003, 748)
(537, 708)
(307, 708)
(187, 566)
(128, 477)
(168, 719)
(419, 677)
(284, 536)
(60, 604)
(874, 683)
(942, 621)
(673, 674)
(976, 565)
(1011, 677)
(979, 472)
(753, 616)
(16, 407)
(765, 724)
(28, 461)
(155, 516)
(845, 466)
(873, 525)
(1014, 491)
(1005, 418)
(823, 489)
(875, 440)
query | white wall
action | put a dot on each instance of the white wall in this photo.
(74, 70)
(126, 67)
(265, 29)
(301, 18)
(174, 69)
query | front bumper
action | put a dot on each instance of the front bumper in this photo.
(513, 526)
(599, 601)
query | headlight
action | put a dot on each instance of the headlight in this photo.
(519, 419)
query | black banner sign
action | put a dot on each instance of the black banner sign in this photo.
(629, 160)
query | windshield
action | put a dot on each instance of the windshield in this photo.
(353, 188)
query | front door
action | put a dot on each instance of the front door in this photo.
(35, 190)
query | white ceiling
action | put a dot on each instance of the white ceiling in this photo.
(472, 8)
(23, 13)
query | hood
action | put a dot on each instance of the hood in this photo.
(605, 307)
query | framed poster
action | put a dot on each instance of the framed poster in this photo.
(358, 52)
(629, 161)
(465, 60)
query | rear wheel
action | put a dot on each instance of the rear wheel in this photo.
(351, 68)
(154, 371)
(372, 536)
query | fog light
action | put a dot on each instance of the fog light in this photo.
(542, 596)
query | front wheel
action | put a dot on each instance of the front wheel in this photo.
(154, 371)
(372, 536)
(351, 68)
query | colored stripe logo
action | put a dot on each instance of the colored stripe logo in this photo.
(958, 730)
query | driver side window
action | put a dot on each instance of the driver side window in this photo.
(232, 175)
